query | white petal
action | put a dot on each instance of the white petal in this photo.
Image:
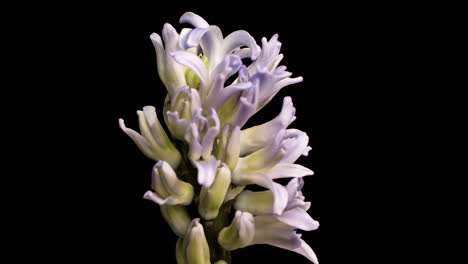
(152, 196)
(239, 39)
(210, 136)
(286, 170)
(139, 140)
(243, 53)
(276, 236)
(287, 81)
(193, 19)
(294, 187)
(192, 137)
(191, 37)
(170, 37)
(305, 250)
(206, 170)
(298, 218)
(294, 145)
(157, 130)
(212, 46)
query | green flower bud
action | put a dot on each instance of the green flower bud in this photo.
(240, 233)
(177, 217)
(212, 198)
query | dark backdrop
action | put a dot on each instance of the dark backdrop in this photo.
(78, 180)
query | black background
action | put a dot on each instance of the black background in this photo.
(373, 75)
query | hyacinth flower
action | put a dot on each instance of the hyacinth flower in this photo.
(207, 161)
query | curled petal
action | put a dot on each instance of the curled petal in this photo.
(286, 170)
(211, 133)
(257, 137)
(171, 73)
(192, 137)
(193, 19)
(294, 145)
(212, 46)
(298, 218)
(153, 142)
(239, 39)
(247, 106)
(139, 140)
(191, 37)
(280, 193)
(305, 250)
(192, 62)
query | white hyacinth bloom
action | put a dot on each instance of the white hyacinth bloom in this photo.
(209, 159)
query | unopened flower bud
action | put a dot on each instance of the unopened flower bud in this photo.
(167, 188)
(177, 217)
(193, 248)
(240, 233)
(212, 198)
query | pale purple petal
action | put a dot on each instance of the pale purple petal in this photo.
(192, 62)
(305, 250)
(294, 145)
(286, 170)
(192, 137)
(211, 133)
(280, 193)
(212, 46)
(239, 39)
(170, 37)
(193, 19)
(190, 38)
(278, 237)
(298, 218)
(257, 137)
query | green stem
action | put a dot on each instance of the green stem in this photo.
(212, 229)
